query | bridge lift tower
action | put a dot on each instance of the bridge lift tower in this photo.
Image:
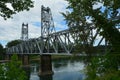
(47, 28)
(24, 32)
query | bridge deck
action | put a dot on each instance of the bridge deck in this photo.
(61, 54)
(44, 53)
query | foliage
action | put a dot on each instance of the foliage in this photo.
(103, 17)
(103, 68)
(12, 70)
(1, 48)
(13, 43)
(107, 18)
(2, 51)
(17, 5)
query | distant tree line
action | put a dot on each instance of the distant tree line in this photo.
(2, 52)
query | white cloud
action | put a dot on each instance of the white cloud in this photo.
(11, 28)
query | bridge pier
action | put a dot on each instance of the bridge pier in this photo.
(46, 65)
(7, 57)
(19, 57)
(25, 60)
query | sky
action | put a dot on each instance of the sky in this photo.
(10, 29)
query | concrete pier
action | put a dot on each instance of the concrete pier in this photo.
(7, 57)
(46, 65)
(25, 60)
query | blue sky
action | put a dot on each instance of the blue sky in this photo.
(11, 29)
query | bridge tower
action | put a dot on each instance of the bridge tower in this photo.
(47, 27)
(24, 32)
(47, 24)
(24, 37)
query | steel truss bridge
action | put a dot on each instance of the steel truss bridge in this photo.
(61, 42)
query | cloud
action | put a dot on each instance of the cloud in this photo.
(11, 29)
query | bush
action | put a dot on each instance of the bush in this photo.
(12, 70)
(103, 68)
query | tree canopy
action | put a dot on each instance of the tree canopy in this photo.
(1, 48)
(105, 17)
(17, 6)
(2, 52)
(13, 43)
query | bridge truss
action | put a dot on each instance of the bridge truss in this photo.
(62, 42)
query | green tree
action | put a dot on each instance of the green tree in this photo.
(1, 51)
(1, 48)
(80, 9)
(12, 70)
(107, 18)
(17, 5)
(13, 43)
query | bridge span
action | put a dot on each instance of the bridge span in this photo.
(53, 42)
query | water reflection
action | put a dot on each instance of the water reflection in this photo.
(68, 66)
(63, 70)
(27, 70)
(47, 77)
(58, 64)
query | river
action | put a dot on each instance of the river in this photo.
(63, 70)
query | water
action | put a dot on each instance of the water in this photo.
(63, 70)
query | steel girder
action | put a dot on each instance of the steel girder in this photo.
(59, 42)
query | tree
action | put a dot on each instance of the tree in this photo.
(107, 18)
(13, 43)
(1, 51)
(17, 6)
(12, 70)
(1, 48)
(104, 17)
